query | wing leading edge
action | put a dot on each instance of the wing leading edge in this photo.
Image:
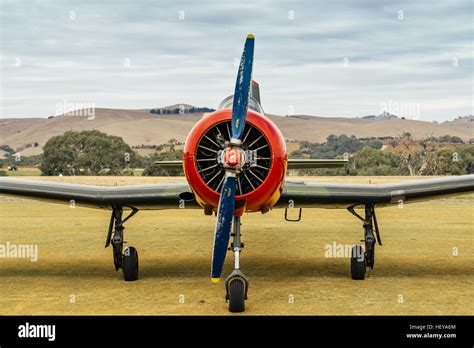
(339, 195)
(157, 196)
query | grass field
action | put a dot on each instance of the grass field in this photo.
(34, 171)
(425, 267)
(23, 171)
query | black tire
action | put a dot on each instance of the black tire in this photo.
(236, 296)
(357, 263)
(130, 264)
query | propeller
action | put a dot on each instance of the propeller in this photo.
(232, 156)
(242, 91)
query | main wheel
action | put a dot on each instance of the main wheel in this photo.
(357, 263)
(130, 264)
(236, 296)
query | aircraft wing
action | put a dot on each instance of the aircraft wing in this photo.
(156, 196)
(302, 194)
(342, 195)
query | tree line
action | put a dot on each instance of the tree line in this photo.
(92, 152)
(402, 156)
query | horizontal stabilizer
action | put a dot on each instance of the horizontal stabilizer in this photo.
(296, 163)
(293, 163)
(170, 164)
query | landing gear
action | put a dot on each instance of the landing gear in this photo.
(357, 263)
(128, 261)
(237, 284)
(130, 264)
(360, 259)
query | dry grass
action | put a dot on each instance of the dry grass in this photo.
(281, 258)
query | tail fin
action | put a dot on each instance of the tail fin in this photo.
(255, 91)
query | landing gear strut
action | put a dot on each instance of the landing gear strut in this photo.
(360, 259)
(236, 284)
(128, 260)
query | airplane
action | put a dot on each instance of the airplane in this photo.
(235, 161)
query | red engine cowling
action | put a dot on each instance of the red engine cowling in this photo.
(260, 183)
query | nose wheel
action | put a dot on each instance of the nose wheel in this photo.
(236, 288)
(236, 284)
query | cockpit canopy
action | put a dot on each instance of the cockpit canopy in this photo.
(253, 104)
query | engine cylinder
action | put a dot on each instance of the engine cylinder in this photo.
(262, 162)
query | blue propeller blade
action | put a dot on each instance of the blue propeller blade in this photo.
(242, 90)
(225, 214)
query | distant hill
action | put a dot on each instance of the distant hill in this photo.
(383, 116)
(464, 120)
(180, 109)
(139, 127)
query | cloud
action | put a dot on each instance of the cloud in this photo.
(336, 58)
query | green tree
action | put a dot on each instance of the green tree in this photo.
(88, 152)
(370, 161)
(23, 160)
(458, 161)
(450, 139)
(465, 159)
(456, 140)
(375, 144)
(335, 145)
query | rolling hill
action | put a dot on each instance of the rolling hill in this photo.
(138, 127)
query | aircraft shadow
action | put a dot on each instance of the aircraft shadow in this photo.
(265, 267)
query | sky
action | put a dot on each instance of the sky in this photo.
(323, 58)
